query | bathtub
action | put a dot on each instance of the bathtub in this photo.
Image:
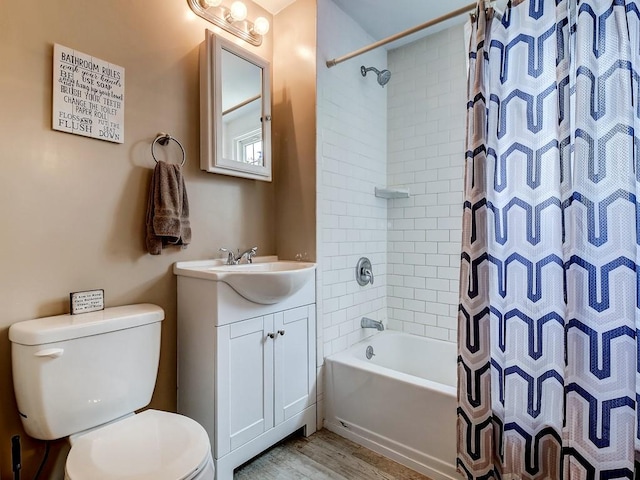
(401, 403)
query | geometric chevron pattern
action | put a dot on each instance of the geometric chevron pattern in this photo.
(549, 315)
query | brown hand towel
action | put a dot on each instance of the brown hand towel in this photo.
(167, 209)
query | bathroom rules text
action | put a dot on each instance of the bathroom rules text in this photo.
(88, 95)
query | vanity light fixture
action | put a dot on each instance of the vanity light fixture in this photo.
(261, 26)
(237, 12)
(232, 19)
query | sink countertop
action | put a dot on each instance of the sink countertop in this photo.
(209, 269)
(179, 267)
(265, 281)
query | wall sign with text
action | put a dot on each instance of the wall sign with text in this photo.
(88, 95)
(87, 301)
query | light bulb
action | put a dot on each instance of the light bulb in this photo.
(261, 26)
(238, 11)
(211, 3)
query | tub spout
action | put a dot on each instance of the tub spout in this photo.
(369, 323)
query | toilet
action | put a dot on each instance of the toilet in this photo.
(84, 376)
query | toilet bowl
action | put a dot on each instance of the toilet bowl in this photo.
(84, 376)
(152, 445)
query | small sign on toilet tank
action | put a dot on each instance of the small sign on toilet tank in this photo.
(87, 301)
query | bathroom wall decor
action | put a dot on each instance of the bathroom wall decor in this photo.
(86, 301)
(88, 95)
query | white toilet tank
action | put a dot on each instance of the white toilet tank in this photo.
(75, 372)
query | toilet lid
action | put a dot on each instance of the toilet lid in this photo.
(152, 445)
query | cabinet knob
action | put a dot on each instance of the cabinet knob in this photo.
(281, 332)
(271, 335)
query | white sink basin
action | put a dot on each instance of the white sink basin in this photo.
(265, 282)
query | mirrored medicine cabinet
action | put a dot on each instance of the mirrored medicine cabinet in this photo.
(235, 110)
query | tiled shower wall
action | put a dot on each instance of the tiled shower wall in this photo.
(351, 162)
(426, 130)
(409, 134)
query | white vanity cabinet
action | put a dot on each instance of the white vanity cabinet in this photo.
(246, 371)
(263, 381)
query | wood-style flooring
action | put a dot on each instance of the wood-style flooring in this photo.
(323, 456)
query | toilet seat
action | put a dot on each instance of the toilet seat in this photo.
(152, 445)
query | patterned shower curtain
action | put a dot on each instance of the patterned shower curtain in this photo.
(548, 366)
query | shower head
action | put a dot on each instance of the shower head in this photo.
(383, 76)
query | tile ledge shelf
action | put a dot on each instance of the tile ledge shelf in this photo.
(391, 192)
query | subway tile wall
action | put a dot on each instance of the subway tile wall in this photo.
(351, 162)
(409, 134)
(426, 132)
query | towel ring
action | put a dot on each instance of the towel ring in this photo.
(163, 139)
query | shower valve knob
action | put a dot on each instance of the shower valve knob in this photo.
(364, 272)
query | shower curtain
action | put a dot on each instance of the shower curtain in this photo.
(548, 366)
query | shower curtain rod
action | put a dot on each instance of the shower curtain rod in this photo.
(397, 36)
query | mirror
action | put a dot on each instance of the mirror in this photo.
(235, 110)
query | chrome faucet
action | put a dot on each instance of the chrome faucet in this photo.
(249, 253)
(370, 323)
(232, 259)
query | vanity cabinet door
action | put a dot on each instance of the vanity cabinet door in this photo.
(294, 362)
(244, 382)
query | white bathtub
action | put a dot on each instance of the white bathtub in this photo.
(401, 403)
